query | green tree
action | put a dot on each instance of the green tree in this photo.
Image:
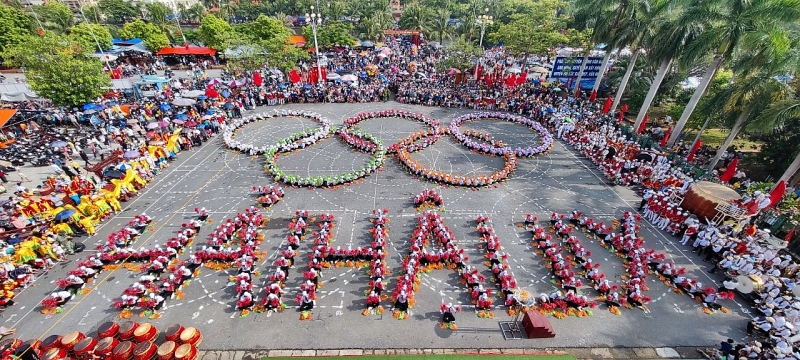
(81, 35)
(118, 11)
(154, 39)
(416, 17)
(266, 29)
(283, 56)
(333, 33)
(15, 26)
(440, 24)
(55, 16)
(461, 55)
(528, 34)
(245, 54)
(215, 32)
(59, 70)
(725, 23)
(195, 13)
(93, 14)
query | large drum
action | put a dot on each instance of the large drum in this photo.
(186, 352)
(126, 330)
(145, 333)
(105, 347)
(85, 348)
(144, 351)
(55, 354)
(35, 345)
(750, 283)
(173, 332)
(123, 351)
(71, 339)
(167, 350)
(191, 336)
(10, 343)
(702, 199)
(51, 342)
(108, 329)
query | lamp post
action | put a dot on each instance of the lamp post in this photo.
(89, 26)
(483, 21)
(316, 19)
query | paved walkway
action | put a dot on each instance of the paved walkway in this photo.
(580, 353)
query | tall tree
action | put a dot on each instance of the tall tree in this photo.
(84, 35)
(333, 33)
(215, 32)
(59, 70)
(154, 39)
(416, 17)
(440, 24)
(119, 11)
(15, 26)
(527, 34)
(55, 16)
(725, 24)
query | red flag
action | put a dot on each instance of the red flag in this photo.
(625, 108)
(593, 97)
(776, 194)
(644, 122)
(789, 235)
(257, 78)
(294, 76)
(728, 174)
(522, 78)
(607, 106)
(666, 137)
(487, 79)
(694, 150)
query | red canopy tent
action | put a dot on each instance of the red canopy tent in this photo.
(187, 50)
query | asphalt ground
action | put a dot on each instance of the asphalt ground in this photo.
(220, 180)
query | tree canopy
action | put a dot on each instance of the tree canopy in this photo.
(215, 32)
(81, 35)
(15, 26)
(333, 33)
(154, 39)
(118, 11)
(59, 69)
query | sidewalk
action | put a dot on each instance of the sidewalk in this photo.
(580, 353)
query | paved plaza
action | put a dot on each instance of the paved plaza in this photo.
(221, 181)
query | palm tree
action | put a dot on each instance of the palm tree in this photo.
(777, 116)
(415, 17)
(195, 13)
(369, 30)
(589, 18)
(725, 23)
(746, 98)
(440, 25)
(671, 38)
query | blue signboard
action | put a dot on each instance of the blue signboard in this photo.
(567, 68)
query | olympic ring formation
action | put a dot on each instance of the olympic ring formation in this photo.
(360, 140)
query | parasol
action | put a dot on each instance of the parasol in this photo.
(131, 154)
(58, 144)
(349, 77)
(514, 70)
(64, 215)
(164, 107)
(190, 123)
(163, 123)
(539, 69)
(153, 125)
(183, 102)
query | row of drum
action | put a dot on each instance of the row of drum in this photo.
(129, 340)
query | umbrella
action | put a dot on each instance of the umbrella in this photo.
(164, 107)
(131, 154)
(382, 55)
(210, 112)
(207, 117)
(386, 51)
(183, 102)
(201, 126)
(163, 123)
(153, 125)
(228, 106)
(453, 71)
(115, 174)
(157, 143)
(201, 97)
(58, 144)
(190, 123)
(306, 86)
(226, 93)
(124, 166)
(89, 106)
(64, 215)
(539, 69)
(179, 122)
(332, 76)
(215, 81)
(151, 134)
(90, 111)
(367, 43)
(514, 70)
(349, 77)
(193, 94)
(132, 121)
(181, 117)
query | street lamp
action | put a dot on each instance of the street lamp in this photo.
(89, 26)
(483, 21)
(316, 19)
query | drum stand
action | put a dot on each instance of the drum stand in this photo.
(726, 210)
(512, 330)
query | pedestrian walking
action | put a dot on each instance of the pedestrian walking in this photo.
(23, 177)
(85, 157)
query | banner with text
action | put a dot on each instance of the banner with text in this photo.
(566, 69)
